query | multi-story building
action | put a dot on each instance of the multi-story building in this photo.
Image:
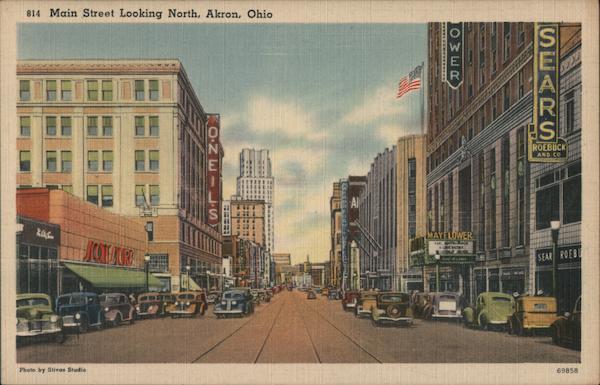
(282, 259)
(378, 221)
(335, 252)
(350, 192)
(129, 136)
(248, 220)
(479, 179)
(411, 217)
(256, 182)
(226, 218)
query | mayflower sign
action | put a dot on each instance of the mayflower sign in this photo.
(544, 144)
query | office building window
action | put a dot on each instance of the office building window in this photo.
(92, 90)
(139, 195)
(51, 125)
(521, 151)
(140, 160)
(506, 40)
(66, 160)
(65, 125)
(24, 91)
(92, 126)
(505, 191)
(107, 126)
(154, 160)
(65, 90)
(139, 90)
(506, 96)
(92, 194)
(50, 90)
(107, 196)
(569, 112)
(107, 160)
(154, 195)
(547, 206)
(159, 263)
(153, 85)
(521, 84)
(139, 126)
(25, 161)
(92, 160)
(521, 33)
(154, 126)
(51, 161)
(107, 90)
(492, 167)
(25, 125)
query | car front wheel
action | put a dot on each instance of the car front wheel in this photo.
(555, 335)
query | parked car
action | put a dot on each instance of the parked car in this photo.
(35, 317)
(149, 305)
(268, 295)
(311, 295)
(443, 305)
(333, 294)
(392, 307)
(317, 289)
(213, 296)
(188, 303)
(492, 309)
(566, 330)
(532, 313)
(349, 300)
(418, 303)
(255, 297)
(366, 300)
(80, 311)
(235, 302)
(325, 292)
(117, 308)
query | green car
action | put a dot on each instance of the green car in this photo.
(492, 309)
(35, 317)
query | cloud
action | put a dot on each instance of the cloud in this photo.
(268, 116)
(381, 103)
(390, 133)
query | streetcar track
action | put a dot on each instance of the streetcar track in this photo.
(232, 334)
(310, 337)
(269, 333)
(345, 335)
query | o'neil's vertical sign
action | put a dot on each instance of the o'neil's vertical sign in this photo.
(213, 159)
(452, 53)
(544, 145)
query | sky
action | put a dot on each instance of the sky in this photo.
(319, 97)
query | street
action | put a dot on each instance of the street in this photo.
(292, 329)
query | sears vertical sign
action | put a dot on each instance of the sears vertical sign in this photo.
(213, 161)
(452, 53)
(544, 145)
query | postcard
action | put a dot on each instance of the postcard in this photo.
(299, 192)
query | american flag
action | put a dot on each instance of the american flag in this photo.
(410, 82)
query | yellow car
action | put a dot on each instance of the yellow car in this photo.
(532, 313)
(366, 301)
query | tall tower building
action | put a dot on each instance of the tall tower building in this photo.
(256, 182)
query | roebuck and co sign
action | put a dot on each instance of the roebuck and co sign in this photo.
(544, 145)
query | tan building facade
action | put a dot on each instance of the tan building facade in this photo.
(335, 252)
(248, 220)
(129, 136)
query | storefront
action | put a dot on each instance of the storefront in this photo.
(509, 279)
(37, 257)
(569, 273)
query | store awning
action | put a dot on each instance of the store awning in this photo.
(188, 283)
(113, 277)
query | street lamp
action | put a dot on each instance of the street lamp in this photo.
(437, 257)
(555, 226)
(146, 263)
(187, 270)
(367, 279)
(207, 280)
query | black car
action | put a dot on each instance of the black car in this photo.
(566, 330)
(234, 302)
(80, 311)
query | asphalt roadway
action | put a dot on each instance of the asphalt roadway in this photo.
(293, 329)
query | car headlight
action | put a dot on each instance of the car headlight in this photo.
(187, 304)
(223, 303)
(53, 319)
(137, 308)
(77, 316)
(233, 303)
(176, 302)
(106, 309)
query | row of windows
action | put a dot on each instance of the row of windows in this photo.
(144, 125)
(95, 159)
(95, 90)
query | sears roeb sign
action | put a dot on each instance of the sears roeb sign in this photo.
(544, 144)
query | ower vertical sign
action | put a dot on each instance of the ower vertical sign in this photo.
(213, 160)
(452, 53)
(544, 145)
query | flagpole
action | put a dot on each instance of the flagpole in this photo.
(423, 85)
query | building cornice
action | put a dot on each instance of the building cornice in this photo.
(108, 67)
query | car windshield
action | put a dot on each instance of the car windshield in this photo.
(109, 300)
(500, 299)
(167, 298)
(394, 297)
(447, 298)
(148, 298)
(233, 295)
(71, 299)
(185, 296)
(32, 302)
